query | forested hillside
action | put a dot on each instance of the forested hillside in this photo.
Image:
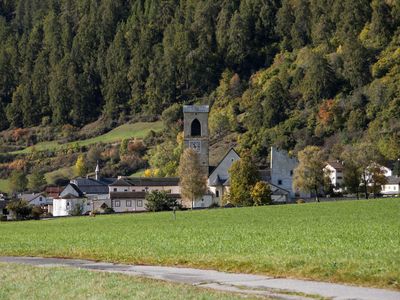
(289, 73)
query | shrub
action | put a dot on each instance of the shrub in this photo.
(20, 208)
(160, 201)
(109, 210)
(299, 201)
(77, 210)
(36, 212)
(214, 205)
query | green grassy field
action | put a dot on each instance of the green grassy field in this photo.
(126, 131)
(27, 282)
(349, 241)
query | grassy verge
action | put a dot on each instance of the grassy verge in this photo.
(5, 186)
(27, 282)
(126, 131)
(348, 241)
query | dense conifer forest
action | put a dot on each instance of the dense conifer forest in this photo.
(285, 72)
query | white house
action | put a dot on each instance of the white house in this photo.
(69, 199)
(392, 187)
(335, 173)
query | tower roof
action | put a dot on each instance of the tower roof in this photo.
(196, 108)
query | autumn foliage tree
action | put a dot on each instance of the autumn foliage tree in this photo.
(193, 181)
(243, 177)
(309, 175)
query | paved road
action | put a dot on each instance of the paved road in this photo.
(290, 289)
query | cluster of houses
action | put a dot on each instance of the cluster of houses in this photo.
(124, 194)
(390, 188)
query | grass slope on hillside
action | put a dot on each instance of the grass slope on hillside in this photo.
(22, 282)
(5, 186)
(354, 241)
(126, 131)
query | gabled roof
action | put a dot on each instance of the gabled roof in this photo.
(93, 186)
(69, 196)
(120, 182)
(393, 180)
(336, 165)
(227, 182)
(226, 154)
(30, 197)
(147, 181)
(217, 181)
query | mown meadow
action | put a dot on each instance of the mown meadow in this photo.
(355, 242)
(21, 282)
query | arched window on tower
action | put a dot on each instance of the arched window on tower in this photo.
(195, 128)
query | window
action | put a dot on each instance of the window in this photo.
(217, 194)
(279, 182)
(128, 203)
(195, 128)
(140, 203)
(125, 190)
(291, 172)
(339, 177)
(115, 189)
(117, 203)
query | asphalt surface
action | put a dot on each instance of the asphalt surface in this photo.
(279, 288)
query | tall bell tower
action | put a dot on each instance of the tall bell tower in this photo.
(195, 127)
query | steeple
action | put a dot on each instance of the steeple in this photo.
(97, 171)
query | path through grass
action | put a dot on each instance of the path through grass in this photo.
(349, 241)
(27, 282)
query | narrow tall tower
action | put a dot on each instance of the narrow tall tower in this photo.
(195, 124)
(97, 171)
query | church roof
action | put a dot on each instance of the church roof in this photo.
(227, 182)
(196, 108)
(217, 181)
(226, 154)
(147, 181)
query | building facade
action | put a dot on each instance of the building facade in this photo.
(195, 130)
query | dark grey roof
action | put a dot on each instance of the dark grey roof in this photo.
(147, 181)
(393, 180)
(29, 197)
(93, 186)
(80, 193)
(136, 195)
(217, 181)
(120, 182)
(227, 182)
(196, 108)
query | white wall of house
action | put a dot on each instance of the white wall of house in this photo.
(282, 168)
(175, 189)
(128, 205)
(39, 201)
(391, 189)
(63, 207)
(336, 177)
